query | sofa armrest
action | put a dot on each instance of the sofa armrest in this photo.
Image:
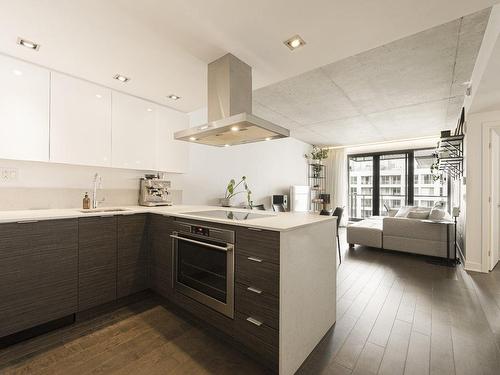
(414, 228)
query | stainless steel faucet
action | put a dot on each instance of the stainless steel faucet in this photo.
(97, 186)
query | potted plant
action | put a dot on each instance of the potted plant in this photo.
(231, 191)
(317, 155)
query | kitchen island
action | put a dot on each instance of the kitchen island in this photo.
(284, 274)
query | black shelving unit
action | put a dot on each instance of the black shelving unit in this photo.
(317, 181)
(451, 155)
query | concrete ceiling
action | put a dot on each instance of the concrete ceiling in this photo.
(412, 87)
(165, 45)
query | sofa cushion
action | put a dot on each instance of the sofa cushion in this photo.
(366, 232)
(418, 214)
(403, 211)
(438, 214)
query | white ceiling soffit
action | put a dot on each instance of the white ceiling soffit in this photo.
(412, 87)
(165, 46)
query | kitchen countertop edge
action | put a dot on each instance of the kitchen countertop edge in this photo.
(283, 222)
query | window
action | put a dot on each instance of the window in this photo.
(366, 190)
(428, 179)
(354, 190)
(390, 191)
(366, 180)
(415, 179)
(354, 180)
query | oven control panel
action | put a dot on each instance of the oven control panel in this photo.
(201, 231)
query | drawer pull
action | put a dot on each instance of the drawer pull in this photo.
(255, 290)
(255, 229)
(254, 321)
(253, 259)
(27, 221)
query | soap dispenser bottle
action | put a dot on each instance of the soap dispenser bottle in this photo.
(86, 201)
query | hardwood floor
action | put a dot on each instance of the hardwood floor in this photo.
(396, 314)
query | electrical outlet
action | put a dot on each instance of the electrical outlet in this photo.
(8, 174)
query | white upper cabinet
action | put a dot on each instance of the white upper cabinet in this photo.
(134, 131)
(24, 110)
(173, 156)
(80, 122)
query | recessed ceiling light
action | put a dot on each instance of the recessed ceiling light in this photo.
(28, 44)
(121, 78)
(174, 97)
(294, 42)
(226, 145)
(268, 138)
(192, 138)
(98, 96)
(17, 72)
(204, 127)
(149, 109)
(234, 128)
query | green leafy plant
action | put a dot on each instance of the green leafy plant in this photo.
(232, 187)
(437, 174)
(317, 154)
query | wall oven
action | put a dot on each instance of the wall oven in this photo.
(203, 265)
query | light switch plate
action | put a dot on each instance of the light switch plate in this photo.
(8, 174)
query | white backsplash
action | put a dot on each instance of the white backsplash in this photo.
(36, 185)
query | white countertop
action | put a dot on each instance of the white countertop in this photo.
(279, 221)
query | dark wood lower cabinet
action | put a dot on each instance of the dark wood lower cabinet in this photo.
(38, 273)
(132, 254)
(160, 244)
(97, 261)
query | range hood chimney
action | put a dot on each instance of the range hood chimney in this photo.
(230, 118)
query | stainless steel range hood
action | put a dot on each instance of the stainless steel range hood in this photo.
(230, 119)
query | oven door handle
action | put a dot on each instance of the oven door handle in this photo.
(222, 248)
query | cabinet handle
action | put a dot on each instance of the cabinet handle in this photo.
(255, 290)
(255, 229)
(27, 221)
(258, 260)
(254, 321)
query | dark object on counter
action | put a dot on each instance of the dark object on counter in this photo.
(86, 201)
(325, 201)
(259, 207)
(445, 133)
(338, 212)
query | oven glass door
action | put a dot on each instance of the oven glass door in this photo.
(204, 271)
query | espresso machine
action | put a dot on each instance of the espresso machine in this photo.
(154, 192)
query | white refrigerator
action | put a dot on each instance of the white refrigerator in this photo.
(300, 198)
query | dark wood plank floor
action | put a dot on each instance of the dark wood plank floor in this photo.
(396, 314)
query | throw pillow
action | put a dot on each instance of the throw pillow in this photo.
(438, 214)
(392, 212)
(419, 214)
(403, 211)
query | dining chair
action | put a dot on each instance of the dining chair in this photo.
(338, 212)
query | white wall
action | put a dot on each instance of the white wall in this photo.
(477, 171)
(270, 167)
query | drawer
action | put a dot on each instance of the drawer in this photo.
(261, 340)
(259, 273)
(263, 244)
(258, 304)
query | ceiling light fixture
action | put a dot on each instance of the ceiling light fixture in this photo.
(268, 138)
(28, 44)
(174, 97)
(235, 129)
(121, 78)
(149, 109)
(17, 72)
(294, 42)
(192, 138)
(226, 145)
(98, 96)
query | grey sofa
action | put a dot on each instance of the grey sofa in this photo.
(401, 234)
